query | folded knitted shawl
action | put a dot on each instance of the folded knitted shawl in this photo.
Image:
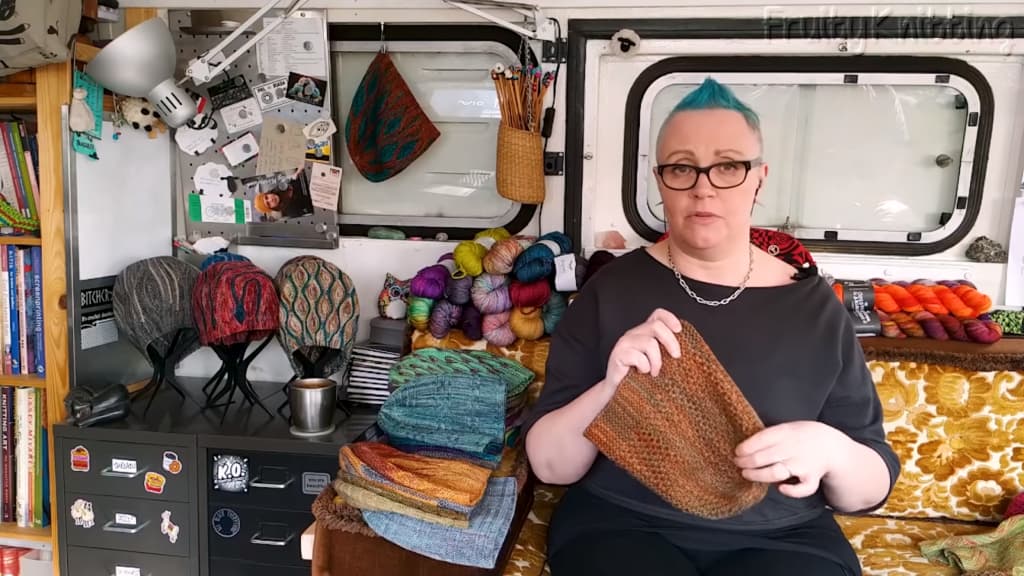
(677, 433)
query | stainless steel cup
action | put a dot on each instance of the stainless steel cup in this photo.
(312, 402)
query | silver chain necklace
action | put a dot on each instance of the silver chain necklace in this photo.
(726, 300)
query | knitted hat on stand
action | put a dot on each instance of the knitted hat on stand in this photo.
(153, 300)
(319, 313)
(386, 129)
(234, 302)
(221, 257)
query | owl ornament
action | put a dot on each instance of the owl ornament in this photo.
(394, 298)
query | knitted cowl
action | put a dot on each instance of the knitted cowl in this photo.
(319, 312)
(234, 302)
(677, 433)
(152, 300)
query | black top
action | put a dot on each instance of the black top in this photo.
(791, 350)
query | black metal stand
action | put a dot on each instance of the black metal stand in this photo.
(163, 369)
(232, 376)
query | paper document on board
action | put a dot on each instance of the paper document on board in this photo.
(297, 45)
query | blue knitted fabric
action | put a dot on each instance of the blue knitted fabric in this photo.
(460, 412)
(478, 545)
(221, 257)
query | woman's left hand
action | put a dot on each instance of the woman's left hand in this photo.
(803, 450)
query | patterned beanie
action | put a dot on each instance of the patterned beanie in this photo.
(153, 300)
(221, 257)
(234, 302)
(386, 129)
(319, 313)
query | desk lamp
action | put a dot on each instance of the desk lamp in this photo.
(141, 63)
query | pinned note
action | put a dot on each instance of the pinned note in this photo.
(282, 146)
(325, 185)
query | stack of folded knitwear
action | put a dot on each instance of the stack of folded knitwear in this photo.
(445, 479)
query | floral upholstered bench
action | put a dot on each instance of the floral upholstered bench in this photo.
(954, 413)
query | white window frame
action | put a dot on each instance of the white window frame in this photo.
(966, 167)
(502, 53)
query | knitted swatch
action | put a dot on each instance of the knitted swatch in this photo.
(677, 433)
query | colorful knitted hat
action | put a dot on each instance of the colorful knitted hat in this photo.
(153, 300)
(677, 433)
(783, 246)
(234, 302)
(221, 257)
(319, 314)
(386, 129)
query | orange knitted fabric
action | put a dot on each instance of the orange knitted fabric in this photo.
(677, 434)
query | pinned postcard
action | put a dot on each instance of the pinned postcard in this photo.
(279, 196)
(271, 94)
(325, 185)
(282, 146)
(299, 44)
(306, 89)
(241, 115)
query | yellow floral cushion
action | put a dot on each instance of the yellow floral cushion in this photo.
(530, 553)
(959, 435)
(891, 546)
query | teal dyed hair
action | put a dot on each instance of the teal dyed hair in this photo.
(713, 95)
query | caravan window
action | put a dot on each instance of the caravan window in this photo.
(452, 185)
(852, 157)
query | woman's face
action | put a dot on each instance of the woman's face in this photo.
(705, 217)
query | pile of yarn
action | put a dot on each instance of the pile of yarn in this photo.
(496, 287)
(943, 310)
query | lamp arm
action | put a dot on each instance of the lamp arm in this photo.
(199, 69)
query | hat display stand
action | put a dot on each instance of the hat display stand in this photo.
(234, 375)
(163, 368)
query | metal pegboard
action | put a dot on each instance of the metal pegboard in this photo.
(319, 230)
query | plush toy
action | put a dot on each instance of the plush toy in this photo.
(138, 114)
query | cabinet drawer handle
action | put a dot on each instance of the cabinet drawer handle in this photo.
(112, 527)
(258, 538)
(110, 473)
(257, 483)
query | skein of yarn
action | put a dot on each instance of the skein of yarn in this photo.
(469, 254)
(459, 290)
(431, 282)
(490, 293)
(526, 323)
(418, 312)
(529, 294)
(502, 256)
(597, 260)
(496, 329)
(553, 310)
(472, 323)
(444, 317)
(538, 261)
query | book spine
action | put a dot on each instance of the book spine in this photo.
(12, 303)
(37, 286)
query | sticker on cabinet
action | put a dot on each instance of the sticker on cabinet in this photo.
(80, 458)
(155, 483)
(81, 512)
(172, 463)
(167, 527)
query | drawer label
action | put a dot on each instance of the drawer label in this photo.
(82, 513)
(314, 482)
(230, 473)
(127, 571)
(125, 519)
(122, 466)
(80, 458)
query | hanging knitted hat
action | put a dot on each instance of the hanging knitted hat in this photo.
(319, 314)
(153, 300)
(386, 129)
(221, 257)
(677, 433)
(234, 302)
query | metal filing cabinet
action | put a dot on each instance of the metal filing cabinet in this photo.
(239, 491)
(127, 503)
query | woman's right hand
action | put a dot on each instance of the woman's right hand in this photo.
(640, 348)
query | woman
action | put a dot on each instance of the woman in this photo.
(780, 332)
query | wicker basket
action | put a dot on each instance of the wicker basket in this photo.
(520, 165)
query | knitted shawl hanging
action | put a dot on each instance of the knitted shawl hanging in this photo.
(783, 246)
(677, 434)
(233, 303)
(152, 300)
(319, 314)
(386, 129)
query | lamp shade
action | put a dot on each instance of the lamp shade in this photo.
(141, 62)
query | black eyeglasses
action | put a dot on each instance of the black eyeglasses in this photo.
(722, 175)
